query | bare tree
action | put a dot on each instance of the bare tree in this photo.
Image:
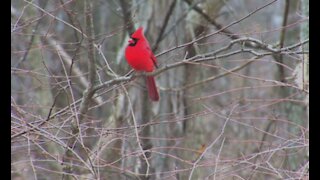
(233, 78)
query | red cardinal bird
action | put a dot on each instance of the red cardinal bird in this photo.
(140, 57)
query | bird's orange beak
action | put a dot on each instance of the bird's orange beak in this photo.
(130, 41)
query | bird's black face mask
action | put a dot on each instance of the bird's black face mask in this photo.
(133, 41)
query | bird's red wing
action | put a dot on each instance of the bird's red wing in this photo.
(153, 58)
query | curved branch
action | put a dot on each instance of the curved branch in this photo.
(218, 31)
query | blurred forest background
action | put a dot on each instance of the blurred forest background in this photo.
(233, 79)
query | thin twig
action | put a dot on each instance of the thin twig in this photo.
(217, 159)
(136, 131)
(212, 143)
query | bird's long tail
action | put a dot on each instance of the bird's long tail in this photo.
(152, 89)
